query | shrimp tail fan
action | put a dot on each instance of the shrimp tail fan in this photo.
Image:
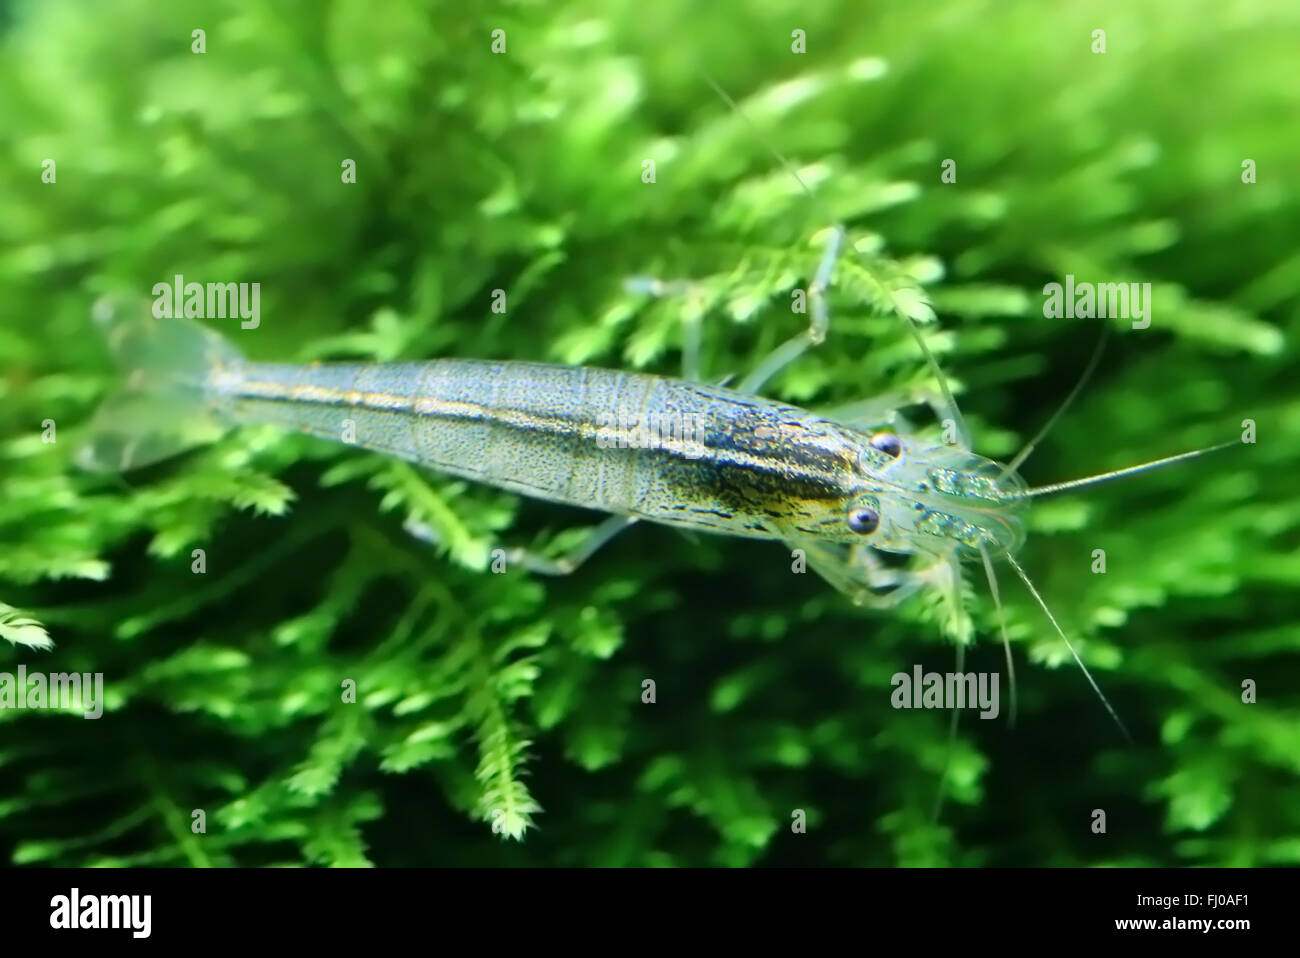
(166, 403)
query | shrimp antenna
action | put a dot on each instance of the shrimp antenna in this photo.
(1061, 632)
(940, 792)
(1011, 674)
(1024, 453)
(1002, 625)
(1127, 471)
(781, 158)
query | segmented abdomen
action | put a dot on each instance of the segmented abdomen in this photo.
(663, 449)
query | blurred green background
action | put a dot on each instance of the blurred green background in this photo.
(522, 171)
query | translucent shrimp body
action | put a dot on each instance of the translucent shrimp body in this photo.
(645, 447)
(726, 462)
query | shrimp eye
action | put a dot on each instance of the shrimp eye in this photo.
(864, 521)
(888, 443)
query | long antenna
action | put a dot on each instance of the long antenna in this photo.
(1002, 625)
(952, 744)
(781, 158)
(767, 144)
(1061, 632)
(1024, 453)
(1128, 471)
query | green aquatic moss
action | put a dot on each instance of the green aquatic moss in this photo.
(502, 705)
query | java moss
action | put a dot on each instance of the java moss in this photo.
(499, 719)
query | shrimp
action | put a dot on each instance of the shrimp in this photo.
(724, 460)
(848, 488)
(729, 461)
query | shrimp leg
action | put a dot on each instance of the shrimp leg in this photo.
(536, 562)
(819, 325)
(690, 319)
(859, 574)
(780, 357)
(576, 556)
